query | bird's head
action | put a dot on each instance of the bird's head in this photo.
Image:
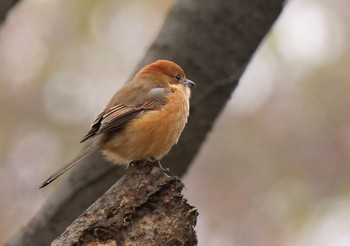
(166, 73)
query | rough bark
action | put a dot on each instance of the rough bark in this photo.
(145, 207)
(213, 41)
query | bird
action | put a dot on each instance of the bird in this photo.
(143, 119)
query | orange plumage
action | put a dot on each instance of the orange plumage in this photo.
(143, 120)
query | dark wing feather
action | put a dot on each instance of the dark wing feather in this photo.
(94, 128)
(118, 116)
(116, 119)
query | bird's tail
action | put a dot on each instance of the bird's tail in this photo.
(82, 155)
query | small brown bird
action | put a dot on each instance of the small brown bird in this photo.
(143, 120)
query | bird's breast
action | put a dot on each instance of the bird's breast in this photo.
(153, 133)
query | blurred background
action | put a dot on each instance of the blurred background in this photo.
(276, 165)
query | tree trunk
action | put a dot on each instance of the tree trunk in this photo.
(5, 7)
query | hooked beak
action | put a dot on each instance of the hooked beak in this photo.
(189, 83)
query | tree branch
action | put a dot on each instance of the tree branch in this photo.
(145, 207)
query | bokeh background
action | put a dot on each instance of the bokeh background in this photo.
(275, 170)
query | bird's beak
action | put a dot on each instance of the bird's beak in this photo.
(189, 83)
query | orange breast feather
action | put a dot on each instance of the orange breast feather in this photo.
(153, 133)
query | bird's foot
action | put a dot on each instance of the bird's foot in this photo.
(133, 163)
(156, 161)
(141, 163)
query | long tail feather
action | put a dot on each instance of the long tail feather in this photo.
(82, 155)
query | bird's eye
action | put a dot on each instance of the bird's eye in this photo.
(178, 77)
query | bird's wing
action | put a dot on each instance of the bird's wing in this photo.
(118, 116)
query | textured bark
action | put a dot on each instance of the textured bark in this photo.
(145, 207)
(213, 41)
